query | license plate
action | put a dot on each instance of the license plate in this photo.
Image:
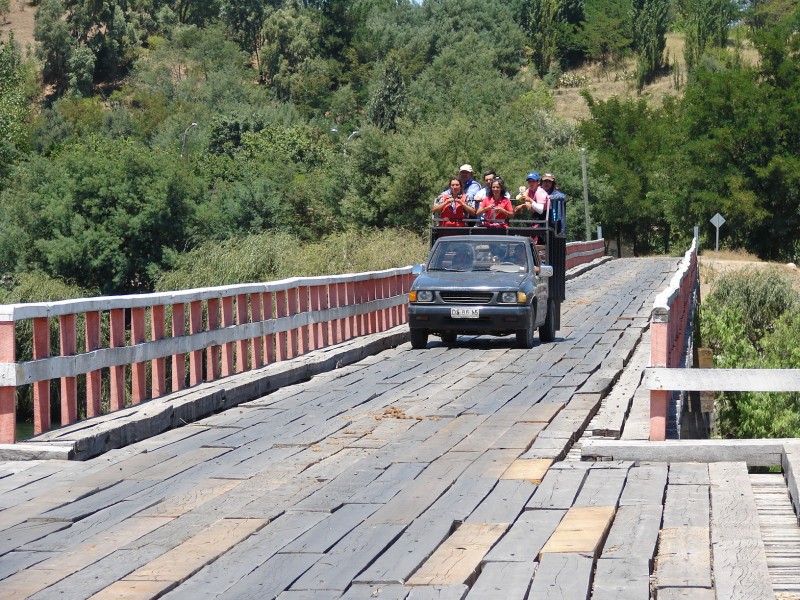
(464, 313)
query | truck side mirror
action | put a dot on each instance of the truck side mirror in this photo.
(420, 268)
(546, 271)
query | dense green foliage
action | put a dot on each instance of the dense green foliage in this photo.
(751, 320)
(172, 125)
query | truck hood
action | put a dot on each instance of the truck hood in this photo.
(483, 280)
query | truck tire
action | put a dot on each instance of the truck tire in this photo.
(449, 337)
(419, 338)
(525, 337)
(547, 332)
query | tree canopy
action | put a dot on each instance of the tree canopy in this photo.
(315, 119)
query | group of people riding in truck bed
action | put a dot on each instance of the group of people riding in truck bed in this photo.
(466, 203)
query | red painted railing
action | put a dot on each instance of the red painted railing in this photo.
(216, 332)
(230, 330)
(671, 315)
(579, 253)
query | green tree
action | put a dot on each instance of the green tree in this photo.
(606, 30)
(706, 24)
(388, 101)
(650, 21)
(628, 137)
(100, 213)
(542, 18)
(13, 104)
(55, 42)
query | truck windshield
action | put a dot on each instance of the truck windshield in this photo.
(501, 256)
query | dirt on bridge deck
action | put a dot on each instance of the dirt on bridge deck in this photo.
(440, 473)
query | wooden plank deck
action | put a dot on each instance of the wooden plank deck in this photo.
(412, 475)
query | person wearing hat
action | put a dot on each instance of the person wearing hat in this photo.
(468, 184)
(557, 199)
(534, 198)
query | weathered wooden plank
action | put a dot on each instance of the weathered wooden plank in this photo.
(519, 436)
(19, 560)
(602, 487)
(423, 491)
(327, 533)
(408, 552)
(688, 473)
(558, 489)
(492, 463)
(686, 594)
(563, 577)
(340, 490)
(309, 595)
(686, 506)
(184, 501)
(349, 557)
(620, 578)
(583, 529)
(424, 535)
(166, 571)
(504, 502)
(790, 463)
(438, 592)
(457, 559)
(683, 559)
(532, 470)
(546, 447)
(526, 537)
(60, 565)
(634, 533)
(502, 580)
(722, 380)
(740, 562)
(268, 580)
(247, 557)
(17, 536)
(368, 592)
(388, 484)
(645, 484)
(756, 453)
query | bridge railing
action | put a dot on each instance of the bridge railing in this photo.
(231, 329)
(579, 253)
(145, 346)
(671, 323)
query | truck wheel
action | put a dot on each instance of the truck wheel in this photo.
(419, 339)
(449, 337)
(525, 337)
(547, 332)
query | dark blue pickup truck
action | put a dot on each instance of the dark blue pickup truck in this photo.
(482, 284)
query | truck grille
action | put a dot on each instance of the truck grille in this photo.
(466, 297)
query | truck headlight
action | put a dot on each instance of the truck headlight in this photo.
(508, 297)
(420, 296)
(513, 298)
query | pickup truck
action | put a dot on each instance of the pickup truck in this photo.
(483, 284)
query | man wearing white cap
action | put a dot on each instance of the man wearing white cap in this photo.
(468, 183)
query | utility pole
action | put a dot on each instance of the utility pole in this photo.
(585, 194)
(183, 139)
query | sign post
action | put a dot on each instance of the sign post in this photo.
(717, 221)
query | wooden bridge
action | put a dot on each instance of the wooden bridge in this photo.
(453, 472)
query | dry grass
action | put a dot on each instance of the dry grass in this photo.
(713, 264)
(20, 20)
(618, 81)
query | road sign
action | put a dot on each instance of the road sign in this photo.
(717, 221)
